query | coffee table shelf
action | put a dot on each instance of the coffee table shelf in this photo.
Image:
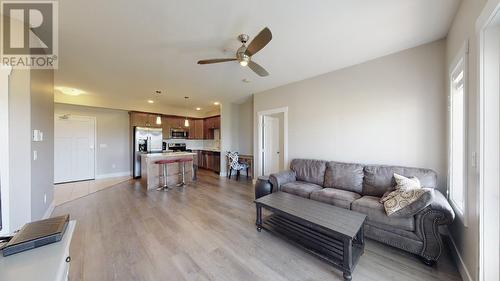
(332, 234)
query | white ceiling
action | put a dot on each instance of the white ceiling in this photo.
(119, 51)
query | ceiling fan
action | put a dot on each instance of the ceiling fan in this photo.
(244, 53)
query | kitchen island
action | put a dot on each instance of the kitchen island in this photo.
(151, 172)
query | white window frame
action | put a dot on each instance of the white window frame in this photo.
(462, 55)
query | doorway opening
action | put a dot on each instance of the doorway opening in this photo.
(272, 141)
(489, 142)
(74, 148)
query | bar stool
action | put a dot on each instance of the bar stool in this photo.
(163, 165)
(183, 169)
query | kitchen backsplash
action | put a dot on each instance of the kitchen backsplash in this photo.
(196, 144)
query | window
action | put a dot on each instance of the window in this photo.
(457, 178)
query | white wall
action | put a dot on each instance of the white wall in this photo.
(389, 110)
(113, 154)
(466, 239)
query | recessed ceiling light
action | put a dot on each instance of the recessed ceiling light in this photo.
(198, 108)
(151, 101)
(216, 103)
(70, 91)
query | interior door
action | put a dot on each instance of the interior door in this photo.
(271, 145)
(74, 144)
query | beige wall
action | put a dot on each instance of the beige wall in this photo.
(42, 118)
(236, 129)
(389, 110)
(19, 149)
(113, 154)
(245, 128)
(466, 239)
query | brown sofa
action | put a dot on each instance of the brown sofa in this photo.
(359, 188)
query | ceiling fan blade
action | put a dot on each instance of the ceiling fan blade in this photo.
(258, 69)
(214, 61)
(259, 42)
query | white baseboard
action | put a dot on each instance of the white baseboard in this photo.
(49, 210)
(462, 268)
(113, 175)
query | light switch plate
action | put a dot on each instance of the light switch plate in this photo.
(37, 135)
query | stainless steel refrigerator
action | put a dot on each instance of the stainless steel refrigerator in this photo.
(146, 140)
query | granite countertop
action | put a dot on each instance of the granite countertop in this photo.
(167, 154)
(207, 149)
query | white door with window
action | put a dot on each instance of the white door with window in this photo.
(74, 144)
(271, 143)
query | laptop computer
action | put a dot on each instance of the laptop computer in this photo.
(36, 234)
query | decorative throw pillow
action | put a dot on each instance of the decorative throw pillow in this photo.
(401, 199)
(404, 183)
(407, 191)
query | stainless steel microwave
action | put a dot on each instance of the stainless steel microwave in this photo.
(179, 133)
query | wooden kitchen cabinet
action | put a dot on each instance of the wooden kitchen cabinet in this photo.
(209, 160)
(169, 123)
(198, 129)
(216, 162)
(138, 119)
(152, 121)
(209, 125)
(141, 119)
(216, 122)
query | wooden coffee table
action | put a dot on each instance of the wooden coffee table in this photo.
(331, 233)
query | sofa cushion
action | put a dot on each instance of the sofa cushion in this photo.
(379, 178)
(300, 188)
(344, 176)
(374, 210)
(336, 197)
(309, 170)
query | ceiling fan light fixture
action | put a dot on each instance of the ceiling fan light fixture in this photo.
(245, 53)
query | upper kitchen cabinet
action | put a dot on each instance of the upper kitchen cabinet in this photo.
(198, 129)
(209, 125)
(217, 122)
(168, 123)
(141, 119)
(191, 129)
(152, 118)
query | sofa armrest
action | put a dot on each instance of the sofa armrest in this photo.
(416, 206)
(438, 212)
(281, 178)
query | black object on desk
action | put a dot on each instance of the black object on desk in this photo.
(36, 234)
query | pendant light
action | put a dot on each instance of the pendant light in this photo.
(158, 120)
(186, 121)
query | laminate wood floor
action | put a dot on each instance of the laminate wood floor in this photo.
(207, 232)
